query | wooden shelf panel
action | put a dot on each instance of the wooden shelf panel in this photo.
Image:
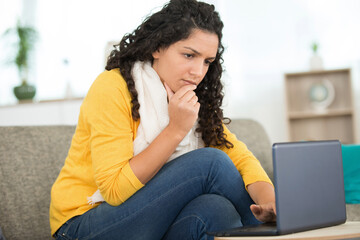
(320, 114)
(316, 72)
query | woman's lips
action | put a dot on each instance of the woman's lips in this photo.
(189, 82)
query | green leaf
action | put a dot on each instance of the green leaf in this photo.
(26, 38)
(314, 47)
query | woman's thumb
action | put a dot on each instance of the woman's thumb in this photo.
(256, 209)
(169, 92)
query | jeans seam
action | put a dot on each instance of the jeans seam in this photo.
(150, 203)
(197, 217)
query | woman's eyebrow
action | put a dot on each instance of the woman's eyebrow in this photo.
(198, 53)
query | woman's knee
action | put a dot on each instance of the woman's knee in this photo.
(211, 168)
(210, 156)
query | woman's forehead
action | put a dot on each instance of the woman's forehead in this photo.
(202, 41)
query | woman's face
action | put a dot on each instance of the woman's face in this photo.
(186, 61)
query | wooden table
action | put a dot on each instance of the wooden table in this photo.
(343, 231)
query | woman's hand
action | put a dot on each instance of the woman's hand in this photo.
(263, 195)
(264, 212)
(183, 112)
(183, 108)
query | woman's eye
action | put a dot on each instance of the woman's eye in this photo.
(208, 62)
(188, 55)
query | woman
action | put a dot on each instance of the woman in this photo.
(151, 158)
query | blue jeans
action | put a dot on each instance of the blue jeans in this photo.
(197, 192)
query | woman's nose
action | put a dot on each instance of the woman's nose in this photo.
(197, 69)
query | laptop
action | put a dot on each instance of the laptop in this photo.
(309, 189)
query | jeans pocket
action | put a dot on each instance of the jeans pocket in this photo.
(62, 236)
(62, 233)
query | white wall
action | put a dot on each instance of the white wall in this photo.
(263, 39)
(266, 39)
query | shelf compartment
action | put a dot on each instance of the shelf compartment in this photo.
(308, 120)
(323, 128)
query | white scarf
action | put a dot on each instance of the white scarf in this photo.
(154, 116)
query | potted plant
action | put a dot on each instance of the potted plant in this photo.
(316, 62)
(25, 41)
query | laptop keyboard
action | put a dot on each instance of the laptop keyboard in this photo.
(265, 228)
(253, 228)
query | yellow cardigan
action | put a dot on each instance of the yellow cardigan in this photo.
(102, 147)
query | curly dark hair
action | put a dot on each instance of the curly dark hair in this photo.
(173, 23)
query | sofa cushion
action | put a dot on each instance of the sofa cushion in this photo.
(30, 160)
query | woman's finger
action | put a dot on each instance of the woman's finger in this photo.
(263, 213)
(169, 92)
(184, 91)
(193, 100)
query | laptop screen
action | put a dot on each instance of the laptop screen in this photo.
(309, 185)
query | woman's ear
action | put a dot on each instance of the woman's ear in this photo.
(156, 54)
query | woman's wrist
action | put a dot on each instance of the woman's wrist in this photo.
(175, 132)
(261, 192)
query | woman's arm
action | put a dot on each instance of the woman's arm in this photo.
(263, 195)
(117, 173)
(183, 112)
(147, 163)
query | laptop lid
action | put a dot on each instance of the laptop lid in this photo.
(309, 189)
(309, 185)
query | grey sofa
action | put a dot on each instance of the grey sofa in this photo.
(32, 156)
